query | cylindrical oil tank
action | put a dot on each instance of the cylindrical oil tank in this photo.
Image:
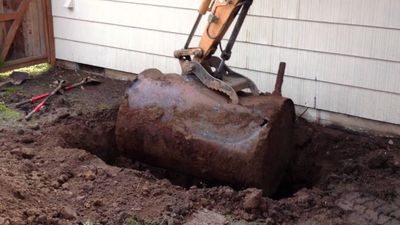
(175, 122)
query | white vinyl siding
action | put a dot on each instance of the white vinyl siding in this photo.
(342, 55)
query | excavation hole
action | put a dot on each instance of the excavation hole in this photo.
(95, 134)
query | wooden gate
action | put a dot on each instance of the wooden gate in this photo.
(26, 33)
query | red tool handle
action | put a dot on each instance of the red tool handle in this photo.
(33, 99)
(69, 87)
(39, 97)
(45, 95)
(37, 108)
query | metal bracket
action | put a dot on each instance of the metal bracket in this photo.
(210, 81)
(70, 4)
(183, 53)
(228, 83)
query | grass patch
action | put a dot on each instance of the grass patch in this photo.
(7, 113)
(11, 90)
(32, 70)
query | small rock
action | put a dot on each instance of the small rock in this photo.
(65, 186)
(89, 175)
(68, 213)
(62, 113)
(207, 217)
(98, 203)
(55, 184)
(87, 204)
(42, 219)
(391, 142)
(34, 126)
(226, 192)
(20, 132)
(80, 197)
(145, 187)
(27, 153)
(62, 179)
(88, 187)
(253, 198)
(27, 140)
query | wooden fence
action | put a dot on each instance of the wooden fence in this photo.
(26, 33)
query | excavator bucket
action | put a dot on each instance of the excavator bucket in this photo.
(175, 122)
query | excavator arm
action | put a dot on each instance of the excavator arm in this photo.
(212, 71)
(222, 15)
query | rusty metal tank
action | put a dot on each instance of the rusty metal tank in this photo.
(174, 122)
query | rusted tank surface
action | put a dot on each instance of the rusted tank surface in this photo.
(175, 122)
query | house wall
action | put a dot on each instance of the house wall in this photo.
(342, 56)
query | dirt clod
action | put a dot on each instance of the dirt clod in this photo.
(68, 213)
(25, 153)
(207, 217)
(88, 175)
(34, 126)
(252, 199)
(27, 140)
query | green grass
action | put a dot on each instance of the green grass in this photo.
(32, 70)
(7, 113)
(11, 90)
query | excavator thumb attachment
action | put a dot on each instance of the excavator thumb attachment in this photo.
(175, 122)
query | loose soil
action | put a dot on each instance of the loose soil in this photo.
(62, 168)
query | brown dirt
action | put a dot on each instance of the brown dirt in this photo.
(60, 168)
